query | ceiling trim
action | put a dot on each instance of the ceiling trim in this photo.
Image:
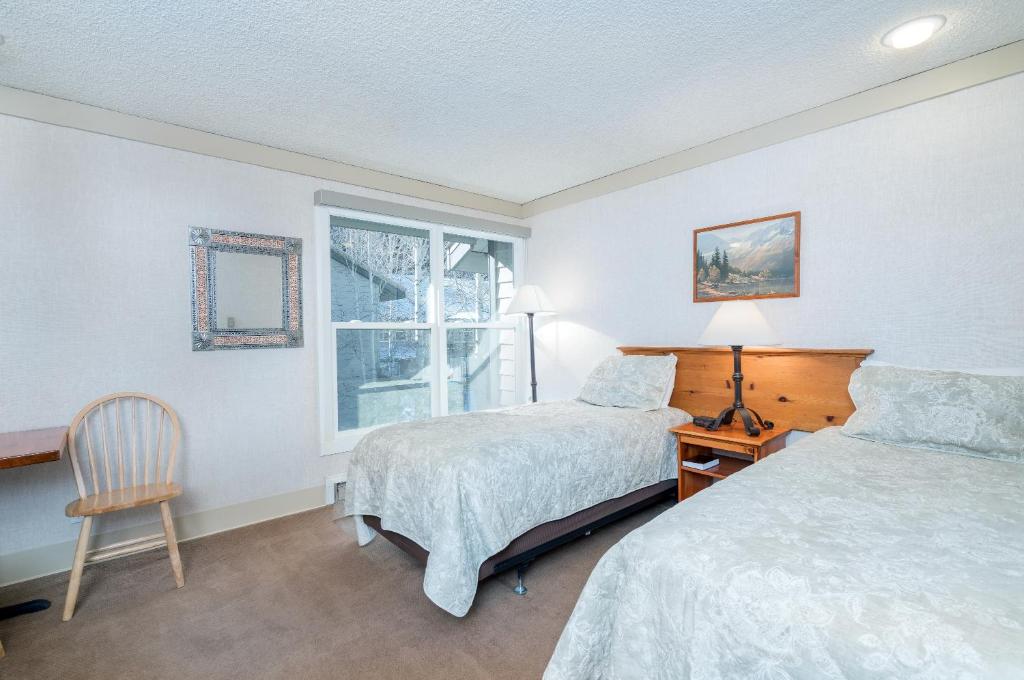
(975, 70)
(337, 199)
(65, 113)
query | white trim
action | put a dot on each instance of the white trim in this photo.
(450, 325)
(335, 442)
(372, 206)
(325, 358)
(980, 68)
(65, 113)
(55, 558)
(974, 70)
(435, 312)
(380, 325)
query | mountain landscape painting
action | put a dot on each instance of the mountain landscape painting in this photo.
(747, 260)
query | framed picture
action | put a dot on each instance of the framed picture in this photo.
(747, 260)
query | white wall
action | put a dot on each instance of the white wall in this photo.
(94, 298)
(912, 243)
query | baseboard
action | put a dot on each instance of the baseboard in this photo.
(55, 558)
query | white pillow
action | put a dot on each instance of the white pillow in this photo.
(1004, 370)
(969, 414)
(640, 382)
(670, 386)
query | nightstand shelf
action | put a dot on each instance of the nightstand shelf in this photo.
(726, 467)
(694, 441)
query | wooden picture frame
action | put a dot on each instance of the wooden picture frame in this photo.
(773, 281)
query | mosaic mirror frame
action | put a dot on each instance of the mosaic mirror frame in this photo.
(204, 244)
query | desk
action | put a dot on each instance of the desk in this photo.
(30, 447)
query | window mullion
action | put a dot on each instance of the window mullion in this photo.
(522, 356)
(439, 346)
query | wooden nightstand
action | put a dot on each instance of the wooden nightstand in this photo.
(694, 441)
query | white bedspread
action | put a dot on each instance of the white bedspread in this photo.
(463, 487)
(835, 558)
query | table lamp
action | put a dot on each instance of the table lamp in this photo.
(737, 324)
(531, 300)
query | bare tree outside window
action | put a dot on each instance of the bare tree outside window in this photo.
(381, 274)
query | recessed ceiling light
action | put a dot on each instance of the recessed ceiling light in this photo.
(913, 32)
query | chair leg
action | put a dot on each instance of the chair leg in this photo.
(172, 543)
(76, 568)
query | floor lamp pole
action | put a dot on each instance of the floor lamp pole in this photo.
(533, 363)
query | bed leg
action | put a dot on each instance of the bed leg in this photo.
(520, 589)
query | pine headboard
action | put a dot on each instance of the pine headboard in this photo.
(803, 389)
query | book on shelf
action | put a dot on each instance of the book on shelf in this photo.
(702, 462)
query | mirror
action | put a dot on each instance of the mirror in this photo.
(249, 291)
(246, 290)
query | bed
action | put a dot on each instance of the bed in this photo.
(888, 550)
(475, 494)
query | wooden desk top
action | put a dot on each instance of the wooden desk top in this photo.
(730, 433)
(32, 446)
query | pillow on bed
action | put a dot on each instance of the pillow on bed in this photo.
(974, 415)
(637, 382)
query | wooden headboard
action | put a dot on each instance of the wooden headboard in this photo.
(803, 389)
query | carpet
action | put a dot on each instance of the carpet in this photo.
(295, 598)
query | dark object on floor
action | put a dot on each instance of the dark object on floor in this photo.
(23, 608)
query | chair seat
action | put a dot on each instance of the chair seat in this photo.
(122, 499)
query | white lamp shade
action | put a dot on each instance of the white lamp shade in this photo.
(530, 300)
(738, 323)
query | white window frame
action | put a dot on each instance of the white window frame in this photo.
(335, 441)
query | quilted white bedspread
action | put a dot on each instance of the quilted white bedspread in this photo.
(463, 487)
(835, 558)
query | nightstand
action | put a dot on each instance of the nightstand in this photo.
(693, 441)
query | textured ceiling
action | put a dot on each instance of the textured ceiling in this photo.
(512, 98)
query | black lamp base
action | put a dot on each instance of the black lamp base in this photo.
(749, 416)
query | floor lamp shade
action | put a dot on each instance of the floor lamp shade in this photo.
(531, 300)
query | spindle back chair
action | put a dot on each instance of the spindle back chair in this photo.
(123, 448)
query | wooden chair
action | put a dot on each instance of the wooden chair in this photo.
(123, 447)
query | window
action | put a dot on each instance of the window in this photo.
(416, 327)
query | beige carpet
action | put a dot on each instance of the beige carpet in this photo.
(294, 598)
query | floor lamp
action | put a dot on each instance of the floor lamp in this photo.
(737, 324)
(531, 300)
